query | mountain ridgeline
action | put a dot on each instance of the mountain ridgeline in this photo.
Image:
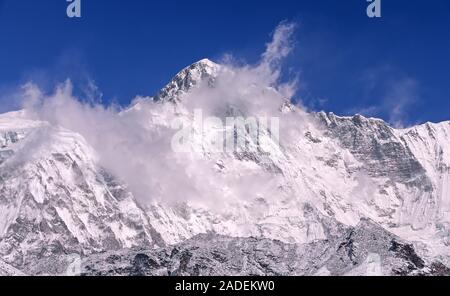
(337, 196)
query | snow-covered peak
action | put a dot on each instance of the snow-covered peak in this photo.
(206, 63)
(188, 78)
(181, 83)
(331, 119)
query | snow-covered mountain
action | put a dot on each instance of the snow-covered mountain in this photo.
(57, 197)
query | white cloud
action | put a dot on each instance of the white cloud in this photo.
(136, 146)
(394, 93)
(398, 99)
(281, 45)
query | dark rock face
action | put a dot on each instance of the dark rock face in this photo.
(348, 247)
(142, 264)
(408, 253)
(374, 143)
(8, 138)
(212, 254)
(439, 269)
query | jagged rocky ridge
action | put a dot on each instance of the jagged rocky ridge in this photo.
(56, 201)
(366, 249)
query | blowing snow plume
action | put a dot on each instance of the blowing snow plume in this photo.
(135, 144)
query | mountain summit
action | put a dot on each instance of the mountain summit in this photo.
(188, 78)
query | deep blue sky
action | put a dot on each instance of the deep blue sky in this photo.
(396, 67)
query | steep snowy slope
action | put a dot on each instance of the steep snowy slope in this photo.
(430, 145)
(55, 200)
